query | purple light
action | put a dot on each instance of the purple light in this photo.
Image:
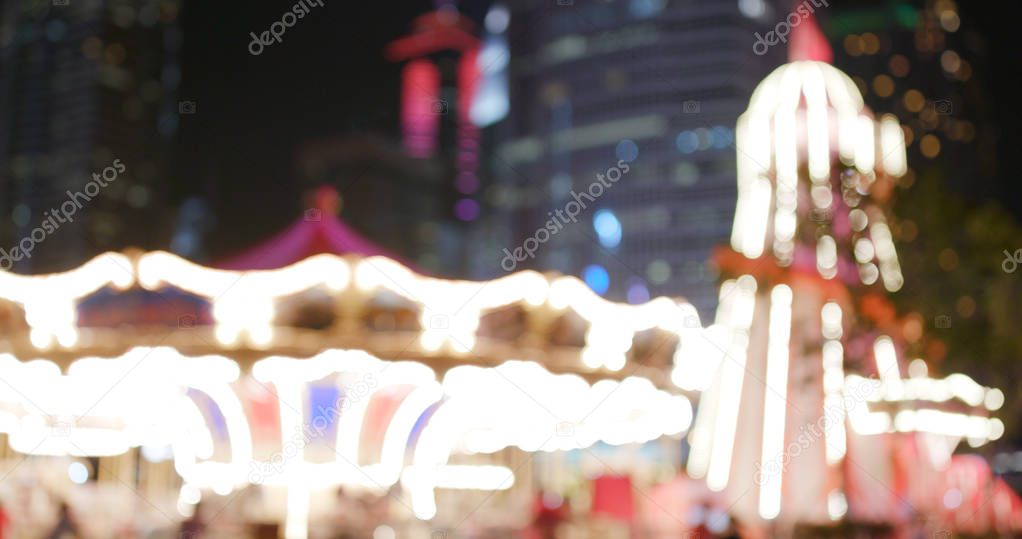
(466, 209)
(637, 291)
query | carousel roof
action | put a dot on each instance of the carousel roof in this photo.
(318, 231)
(333, 302)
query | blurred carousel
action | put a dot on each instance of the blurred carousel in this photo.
(333, 371)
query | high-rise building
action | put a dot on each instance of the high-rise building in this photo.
(438, 83)
(85, 85)
(642, 93)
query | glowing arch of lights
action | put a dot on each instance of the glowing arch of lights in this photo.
(806, 105)
(244, 302)
(49, 300)
(147, 397)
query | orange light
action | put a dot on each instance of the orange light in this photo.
(930, 146)
(883, 85)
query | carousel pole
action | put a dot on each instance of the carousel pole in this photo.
(296, 520)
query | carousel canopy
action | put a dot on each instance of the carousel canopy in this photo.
(318, 231)
(332, 370)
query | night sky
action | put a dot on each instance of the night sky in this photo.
(328, 77)
(1004, 85)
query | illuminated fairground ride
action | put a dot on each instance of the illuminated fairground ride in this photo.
(783, 429)
(325, 372)
(358, 371)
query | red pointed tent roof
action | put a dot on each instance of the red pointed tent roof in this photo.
(318, 231)
(809, 43)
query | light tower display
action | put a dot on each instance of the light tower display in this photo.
(782, 429)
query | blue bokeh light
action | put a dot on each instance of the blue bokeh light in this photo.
(687, 142)
(597, 278)
(627, 150)
(608, 228)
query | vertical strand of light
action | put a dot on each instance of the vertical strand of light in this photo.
(834, 435)
(296, 523)
(886, 358)
(785, 157)
(887, 256)
(847, 135)
(702, 434)
(786, 166)
(743, 167)
(845, 99)
(753, 145)
(760, 189)
(818, 127)
(701, 437)
(826, 257)
(761, 196)
(892, 144)
(775, 398)
(865, 145)
(732, 377)
(833, 383)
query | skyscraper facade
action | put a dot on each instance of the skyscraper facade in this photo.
(84, 84)
(617, 162)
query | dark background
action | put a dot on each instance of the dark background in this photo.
(329, 77)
